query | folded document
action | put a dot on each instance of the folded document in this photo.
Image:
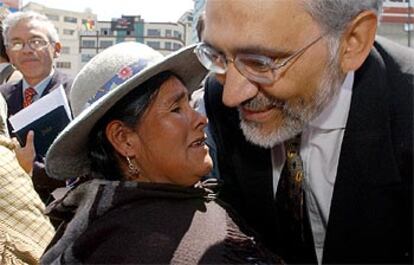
(47, 117)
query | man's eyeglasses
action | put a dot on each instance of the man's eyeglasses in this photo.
(257, 68)
(35, 44)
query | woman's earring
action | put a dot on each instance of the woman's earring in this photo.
(132, 167)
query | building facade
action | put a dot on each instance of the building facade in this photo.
(198, 10)
(83, 36)
(164, 37)
(107, 33)
(10, 5)
(397, 21)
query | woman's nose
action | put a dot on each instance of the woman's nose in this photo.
(200, 120)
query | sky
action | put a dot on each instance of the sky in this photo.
(150, 10)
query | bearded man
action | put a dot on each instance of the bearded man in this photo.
(312, 118)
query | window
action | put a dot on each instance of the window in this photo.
(154, 44)
(105, 31)
(167, 45)
(70, 19)
(64, 65)
(177, 46)
(65, 50)
(68, 32)
(177, 34)
(153, 32)
(106, 43)
(88, 44)
(168, 33)
(52, 17)
(86, 57)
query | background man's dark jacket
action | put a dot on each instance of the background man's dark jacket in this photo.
(13, 93)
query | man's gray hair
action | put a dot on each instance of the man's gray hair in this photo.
(14, 18)
(333, 16)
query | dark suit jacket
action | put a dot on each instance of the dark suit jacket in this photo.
(371, 215)
(13, 93)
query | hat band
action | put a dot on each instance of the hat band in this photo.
(123, 74)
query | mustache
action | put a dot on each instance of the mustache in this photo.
(293, 111)
(262, 102)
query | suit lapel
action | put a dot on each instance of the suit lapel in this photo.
(257, 171)
(53, 83)
(246, 165)
(366, 157)
(16, 98)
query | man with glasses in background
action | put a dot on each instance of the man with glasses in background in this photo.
(313, 124)
(32, 44)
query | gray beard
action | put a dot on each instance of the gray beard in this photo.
(295, 116)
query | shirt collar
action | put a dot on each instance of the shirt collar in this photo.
(335, 114)
(41, 86)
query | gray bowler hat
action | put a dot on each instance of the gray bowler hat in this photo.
(101, 83)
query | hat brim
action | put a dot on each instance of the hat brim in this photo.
(67, 156)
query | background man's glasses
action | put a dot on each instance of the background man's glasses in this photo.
(34, 44)
(257, 68)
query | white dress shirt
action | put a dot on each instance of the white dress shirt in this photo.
(320, 148)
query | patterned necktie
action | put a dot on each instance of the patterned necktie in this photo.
(290, 190)
(293, 224)
(29, 93)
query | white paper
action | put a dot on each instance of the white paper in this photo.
(40, 107)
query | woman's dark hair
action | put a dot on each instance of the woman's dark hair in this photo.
(129, 110)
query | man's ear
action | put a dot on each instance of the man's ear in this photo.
(57, 49)
(357, 40)
(120, 137)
